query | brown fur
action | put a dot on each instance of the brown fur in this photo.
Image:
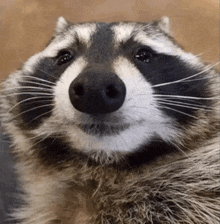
(179, 188)
(175, 189)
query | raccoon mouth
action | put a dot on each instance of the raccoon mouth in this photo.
(102, 129)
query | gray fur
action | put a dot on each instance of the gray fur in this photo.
(177, 188)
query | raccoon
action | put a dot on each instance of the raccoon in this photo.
(114, 123)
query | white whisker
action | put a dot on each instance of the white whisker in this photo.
(40, 98)
(38, 107)
(183, 79)
(37, 83)
(42, 139)
(183, 103)
(180, 149)
(29, 93)
(189, 115)
(36, 78)
(189, 98)
(194, 80)
(28, 87)
(41, 115)
(36, 137)
(186, 97)
(56, 78)
(180, 105)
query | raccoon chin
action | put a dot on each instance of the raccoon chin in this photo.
(104, 158)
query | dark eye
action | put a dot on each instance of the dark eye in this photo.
(64, 57)
(144, 55)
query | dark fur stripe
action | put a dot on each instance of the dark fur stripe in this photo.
(36, 94)
(56, 153)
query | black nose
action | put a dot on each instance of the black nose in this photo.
(97, 92)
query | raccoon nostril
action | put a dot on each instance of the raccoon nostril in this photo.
(95, 92)
(79, 90)
(112, 91)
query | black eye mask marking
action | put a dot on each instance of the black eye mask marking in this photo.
(144, 54)
(36, 90)
(64, 56)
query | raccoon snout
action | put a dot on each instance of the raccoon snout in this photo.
(97, 92)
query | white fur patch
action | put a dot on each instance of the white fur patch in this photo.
(122, 32)
(163, 45)
(61, 24)
(63, 107)
(84, 32)
(51, 51)
(139, 111)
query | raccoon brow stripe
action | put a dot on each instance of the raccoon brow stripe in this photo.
(189, 77)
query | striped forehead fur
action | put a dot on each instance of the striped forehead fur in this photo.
(154, 168)
(149, 34)
(144, 34)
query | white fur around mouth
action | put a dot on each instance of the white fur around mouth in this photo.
(102, 129)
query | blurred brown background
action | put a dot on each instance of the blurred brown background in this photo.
(26, 25)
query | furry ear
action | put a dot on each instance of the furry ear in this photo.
(62, 24)
(164, 24)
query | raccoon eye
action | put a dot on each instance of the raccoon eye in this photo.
(64, 57)
(144, 55)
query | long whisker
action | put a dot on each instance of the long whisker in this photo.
(56, 78)
(37, 83)
(39, 79)
(41, 115)
(40, 98)
(178, 111)
(194, 80)
(183, 103)
(177, 96)
(186, 97)
(180, 149)
(36, 137)
(135, 111)
(29, 87)
(183, 79)
(179, 105)
(42, 106)
(28, 93)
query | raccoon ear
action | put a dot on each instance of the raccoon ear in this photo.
(164, 24)
(62, 24)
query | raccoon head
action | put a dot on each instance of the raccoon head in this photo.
(106, 91)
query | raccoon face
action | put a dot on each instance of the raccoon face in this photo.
(103, 90)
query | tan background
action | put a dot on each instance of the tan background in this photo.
(26, 25)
